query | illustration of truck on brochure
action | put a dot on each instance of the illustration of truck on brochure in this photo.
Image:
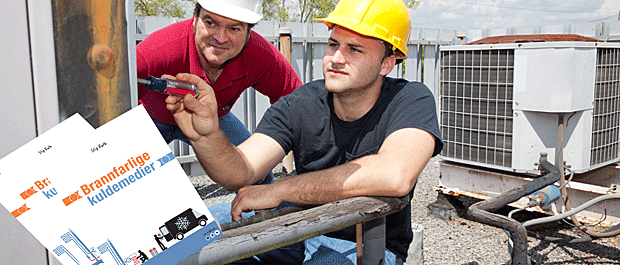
(181, 224)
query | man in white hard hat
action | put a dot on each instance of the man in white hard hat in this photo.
(355, 133)
(218, 45)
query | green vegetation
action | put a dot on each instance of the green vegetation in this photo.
(275, 10)
(160, 8)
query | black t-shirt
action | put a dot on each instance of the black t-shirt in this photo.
(305, 123)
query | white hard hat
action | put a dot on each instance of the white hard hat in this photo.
(248, 11)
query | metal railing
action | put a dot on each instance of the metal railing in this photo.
(251, 239)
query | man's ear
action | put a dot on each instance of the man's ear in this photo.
(194, 24)
(387, 65)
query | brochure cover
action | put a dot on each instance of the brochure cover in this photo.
(114, 195)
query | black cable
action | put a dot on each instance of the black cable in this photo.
(558, 240)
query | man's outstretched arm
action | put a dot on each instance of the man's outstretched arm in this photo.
(392, 172)
(226, 164)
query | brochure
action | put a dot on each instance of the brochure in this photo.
(114, 195)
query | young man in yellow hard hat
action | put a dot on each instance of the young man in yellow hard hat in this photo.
(355, 133)
(217, 45)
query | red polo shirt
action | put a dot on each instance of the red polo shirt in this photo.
(172, 50)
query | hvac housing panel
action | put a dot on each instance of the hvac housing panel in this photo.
(500, 104)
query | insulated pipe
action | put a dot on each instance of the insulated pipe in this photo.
(573, 211)
(249, 240)
(482, 211)
(613, 230)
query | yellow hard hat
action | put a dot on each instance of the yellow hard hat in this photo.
(387, 20)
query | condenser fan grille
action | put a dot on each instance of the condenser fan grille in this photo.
(606, 113)
(476, 97)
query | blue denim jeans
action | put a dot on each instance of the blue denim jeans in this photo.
(317, 250)
(234, 129)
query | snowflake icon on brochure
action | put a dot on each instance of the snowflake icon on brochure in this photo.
(182, 223)
(177, 226)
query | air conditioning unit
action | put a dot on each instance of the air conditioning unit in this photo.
(501, 105)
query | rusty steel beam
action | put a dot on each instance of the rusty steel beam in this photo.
(482, 184)
(90, 38)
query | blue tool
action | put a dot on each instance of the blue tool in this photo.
(166, 85)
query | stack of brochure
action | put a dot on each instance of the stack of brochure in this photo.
(111, 195)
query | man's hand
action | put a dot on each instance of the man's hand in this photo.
(254, 197)
(197, 117)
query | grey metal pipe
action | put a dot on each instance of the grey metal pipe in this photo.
(252, 110)
(482, 211)
(374, 242)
